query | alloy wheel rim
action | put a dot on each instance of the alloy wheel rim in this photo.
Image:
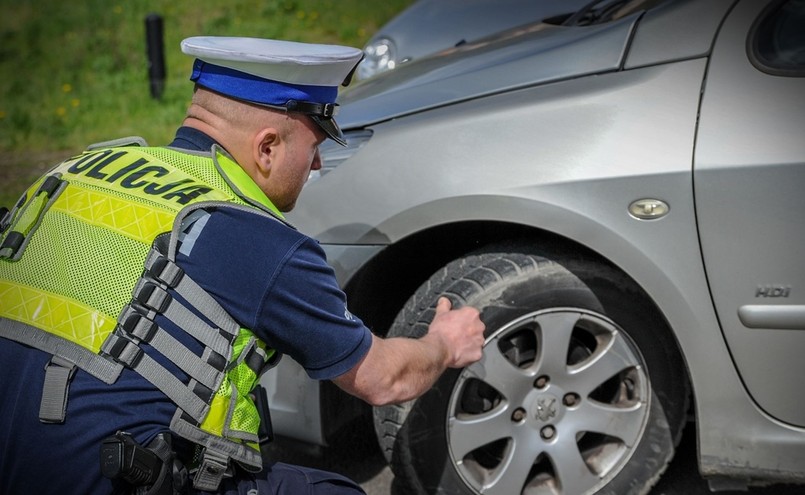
(555, 406)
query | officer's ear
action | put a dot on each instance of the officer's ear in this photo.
(266, 148)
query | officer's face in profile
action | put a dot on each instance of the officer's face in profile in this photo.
(296, 156)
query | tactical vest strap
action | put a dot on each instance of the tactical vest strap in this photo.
(25, 222)
(114, 143)
(156, 300)
(163, 269)
(136, 324)
(58, 374)
(256, 359)
(248, 458)
(67, 356)
(127, 352)
(211, 471)
(103, 369)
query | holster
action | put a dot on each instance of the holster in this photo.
(137, 470)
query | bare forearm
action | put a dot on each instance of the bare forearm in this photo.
(399, 369)
(396, 370)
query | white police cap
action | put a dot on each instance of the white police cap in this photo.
(300, 77)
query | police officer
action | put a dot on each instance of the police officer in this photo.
(143, 291)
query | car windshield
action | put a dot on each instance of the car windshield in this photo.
(600, 11)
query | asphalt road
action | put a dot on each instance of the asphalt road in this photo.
(360, 459)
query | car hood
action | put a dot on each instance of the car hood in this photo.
(427, 26)
(516, 58)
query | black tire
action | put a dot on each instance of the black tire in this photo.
(604, 418)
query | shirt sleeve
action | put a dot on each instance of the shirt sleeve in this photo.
(276, 281)
(304, 315)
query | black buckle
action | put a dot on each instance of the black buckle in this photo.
(265, 433)
(49, 186)
(323, 110)
(11, 244)
(166, 271)
(5, 219)
(152, 296)
(122, 350)
(137, 325)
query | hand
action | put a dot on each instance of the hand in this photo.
(460, 330)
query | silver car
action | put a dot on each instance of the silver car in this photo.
(622, 196)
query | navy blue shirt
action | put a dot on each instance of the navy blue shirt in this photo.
(271, 278)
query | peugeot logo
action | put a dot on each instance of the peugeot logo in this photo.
(546, 407)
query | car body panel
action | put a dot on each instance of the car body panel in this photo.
(528, 55)
(553, 128)
(676, 32)
(742, 181)
(295, 402)
(537, 54)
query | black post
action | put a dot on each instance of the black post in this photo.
(156, 57)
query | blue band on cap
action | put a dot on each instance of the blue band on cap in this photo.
(243, 86)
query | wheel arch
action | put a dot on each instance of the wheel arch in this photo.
(380, 288)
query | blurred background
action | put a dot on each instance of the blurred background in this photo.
(75, 73)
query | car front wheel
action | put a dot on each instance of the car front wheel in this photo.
(580, 390)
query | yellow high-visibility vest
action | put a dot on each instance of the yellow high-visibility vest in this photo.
(87, 260)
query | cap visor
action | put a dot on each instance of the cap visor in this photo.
(330, 127)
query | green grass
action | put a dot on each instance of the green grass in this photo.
(74, 73)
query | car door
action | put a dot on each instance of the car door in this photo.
(749, 181)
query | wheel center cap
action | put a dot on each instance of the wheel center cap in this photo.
(546, 407)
